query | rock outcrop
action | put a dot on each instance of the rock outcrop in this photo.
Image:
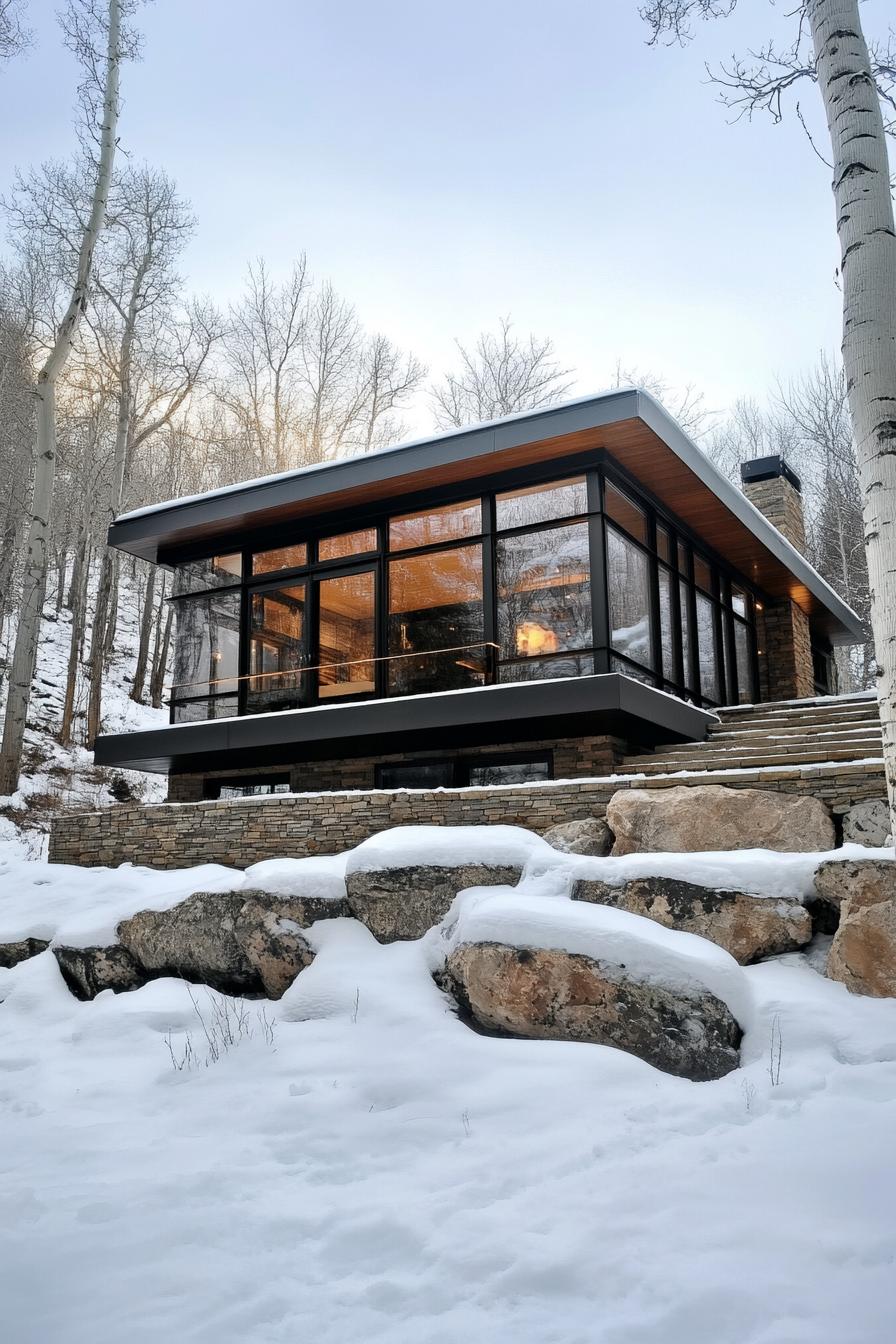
(404, 902)
(273, 944)
(863, 953)
(20, 950)
(749, 927)
(552, 995)
(89, 970)
(586, 835)
(868, 823)
(712, 817)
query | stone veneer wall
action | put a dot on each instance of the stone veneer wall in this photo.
(785, 663)
(239, 832)
(573, 758)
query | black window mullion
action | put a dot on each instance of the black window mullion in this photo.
(597, 555)
(489, 588)
(381, 638)
(653, 583)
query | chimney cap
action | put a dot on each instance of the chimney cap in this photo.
(768, 468)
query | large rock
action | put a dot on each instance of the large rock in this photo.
(552, 995)
(403, 902)
(837, 881)
(749, 927)
(863, 953)
(586, 835)
(712, 817)
(20, 950)
(195, 940)
(239, 942)
(89, 970)
(868, 823)
(273, 944)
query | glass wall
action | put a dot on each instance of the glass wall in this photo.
(556, 577)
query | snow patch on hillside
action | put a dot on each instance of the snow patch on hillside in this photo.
(59, 778)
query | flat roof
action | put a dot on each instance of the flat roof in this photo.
(516, 712)
(627, 423)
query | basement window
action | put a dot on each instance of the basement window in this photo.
(478, 771)
(258, 786)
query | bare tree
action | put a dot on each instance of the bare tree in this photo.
(856, 82)
(685, 404)
(13, 33)
(100, 40)
(499, 376)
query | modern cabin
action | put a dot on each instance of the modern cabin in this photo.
(522, 600)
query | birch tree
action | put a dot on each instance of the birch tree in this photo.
(99, 37)
(856, 82)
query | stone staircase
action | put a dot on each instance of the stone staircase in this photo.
(777, 739)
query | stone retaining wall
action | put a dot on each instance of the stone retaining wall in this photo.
(239, 832)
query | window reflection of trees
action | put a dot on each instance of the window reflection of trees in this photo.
(544, 592)
(436, 603)
(628, 581)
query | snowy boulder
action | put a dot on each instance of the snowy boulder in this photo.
(561, 970)
(863, 953)
(402, 882)
(712, 817)
(238, 942)
(273, 943)
(868, 823)
(586, 835)
(20, 950)
(87, 971)
(749, 927)
(404, 902)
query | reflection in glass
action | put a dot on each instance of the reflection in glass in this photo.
(663, 544)
(198, 711)
(629, 670)
(432, 526)
(346, 626)
(214, 571)
(277, 649)
(745, 687)
(738, 600)
(625, 512)
(628, 582)
(544, 592)
(702, 574)
(417, 775)
(685, 634)
(548, 669)
(206, 644)
(284, 557)
(541, 503)
(349, 543)
(510, 772)
(707, 650)
(667, 642)
(435, 604)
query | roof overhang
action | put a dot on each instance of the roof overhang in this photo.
(523, 711)
(628, 424)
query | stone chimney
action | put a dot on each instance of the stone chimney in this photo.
(785, 643)
(776, 491)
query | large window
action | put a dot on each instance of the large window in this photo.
(277, 654)
(549, 578)
(628, 584)
(436, 635)
(206, 657)
(346, 649)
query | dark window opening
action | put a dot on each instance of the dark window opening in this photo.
(481, 771)
(252, 786)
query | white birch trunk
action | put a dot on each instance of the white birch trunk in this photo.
(35, 578)
(868, 270)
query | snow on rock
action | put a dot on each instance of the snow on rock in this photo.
(449, 847)
(648, 952)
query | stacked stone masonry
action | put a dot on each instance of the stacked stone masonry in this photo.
(573, 758)
(240, 832)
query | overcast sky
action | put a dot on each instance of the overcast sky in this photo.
(443, 164)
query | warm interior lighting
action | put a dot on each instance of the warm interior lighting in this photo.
(533, 639)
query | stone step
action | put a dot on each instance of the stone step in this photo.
(787, 724)
(697, 759)
(815, 702)
(866, 709)
(734, 761)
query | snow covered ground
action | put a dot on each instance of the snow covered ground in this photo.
(365, 1167)
(65, 777)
